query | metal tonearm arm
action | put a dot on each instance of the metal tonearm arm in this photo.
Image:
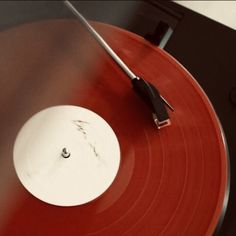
(144, 89)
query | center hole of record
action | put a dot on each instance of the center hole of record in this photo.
(65, 153)
(83, 138)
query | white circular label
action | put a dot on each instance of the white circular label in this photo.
(66, 155)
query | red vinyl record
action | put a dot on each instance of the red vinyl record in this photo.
(171, 181)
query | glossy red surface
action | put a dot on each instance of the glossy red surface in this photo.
(170, 182)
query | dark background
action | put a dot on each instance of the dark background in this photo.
(206, 48)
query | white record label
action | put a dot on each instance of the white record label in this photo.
(66, 155)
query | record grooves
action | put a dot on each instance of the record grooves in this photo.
(171, 181)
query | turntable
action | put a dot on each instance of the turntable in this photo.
(103, 133)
